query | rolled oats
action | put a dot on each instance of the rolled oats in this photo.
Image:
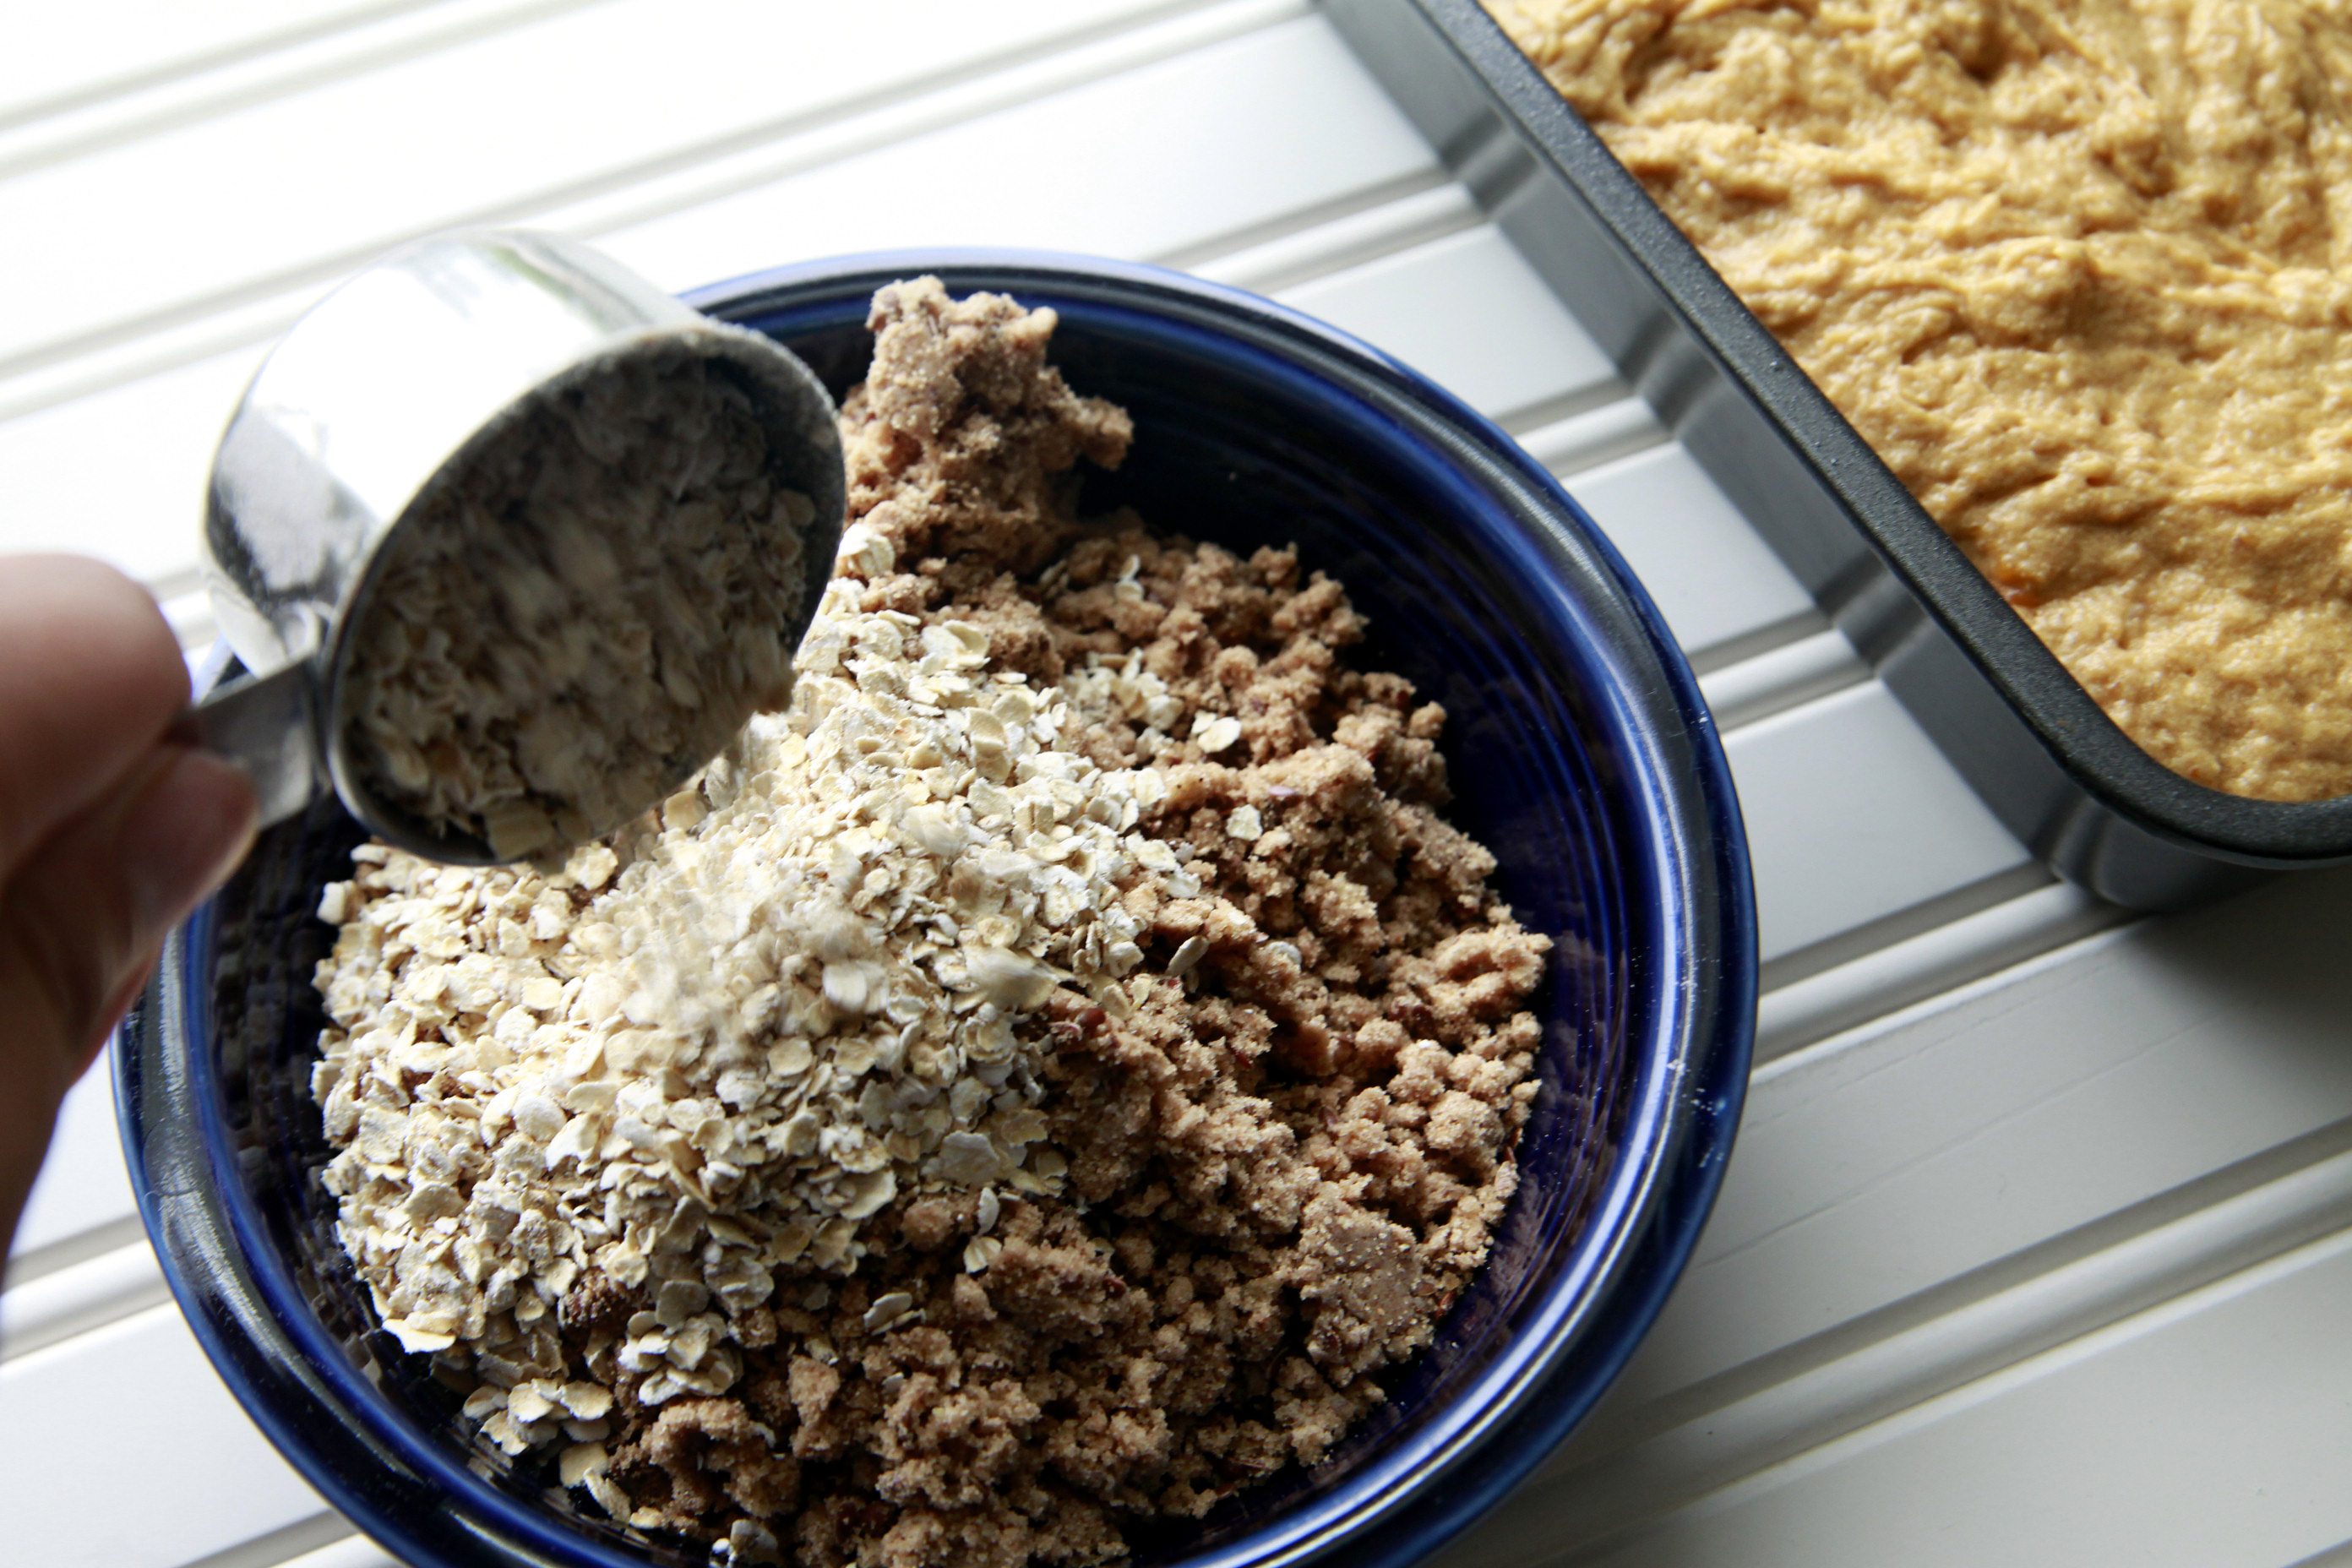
(584, 615)
(802, 998)
(1044, 1076)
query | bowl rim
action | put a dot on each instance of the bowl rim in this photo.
(1690, 1073)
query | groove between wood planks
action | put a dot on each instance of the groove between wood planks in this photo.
(353, 1551)
(188, 92)
(2125, 1275)
(2012, 1376)
(322, 1540)
(174, 70)
(53, 1306)
(261, 306)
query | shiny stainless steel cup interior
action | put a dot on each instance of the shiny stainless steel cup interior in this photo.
(369, 407)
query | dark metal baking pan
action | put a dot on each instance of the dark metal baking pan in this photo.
(2101, 811)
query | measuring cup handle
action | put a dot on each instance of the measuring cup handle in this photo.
(266, 725)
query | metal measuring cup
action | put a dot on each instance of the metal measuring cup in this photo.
(373, 401)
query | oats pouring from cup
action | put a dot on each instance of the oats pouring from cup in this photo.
(585, 615)
(509, 542)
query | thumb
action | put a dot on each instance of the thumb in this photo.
(86, 913)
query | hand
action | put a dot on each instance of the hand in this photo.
(112, 827)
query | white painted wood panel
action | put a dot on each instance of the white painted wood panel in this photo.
(762, 155)
(309, 185)
(242, 71)
(1211, 148)
(1919, 1203)
(60, 55)
(82, 1185)
(134, 1402)
(1597, 435)
(1883, 1162)
(1913, 969)
(351, 1551)
(2210, 1432)
(1852, 815)
(1725, 1446)
(120, 472)
(63, 1301)
(1468, 312)
(1292, 254)
(1714, 579)
(1781, 677)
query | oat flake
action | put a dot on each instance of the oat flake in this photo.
(809, 993)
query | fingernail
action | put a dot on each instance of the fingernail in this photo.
(186, 835)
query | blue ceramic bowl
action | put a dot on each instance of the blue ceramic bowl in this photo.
(1582, 755)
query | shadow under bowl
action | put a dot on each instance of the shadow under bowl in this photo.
(1581, 757)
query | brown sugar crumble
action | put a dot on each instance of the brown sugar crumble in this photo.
(1181, 1039)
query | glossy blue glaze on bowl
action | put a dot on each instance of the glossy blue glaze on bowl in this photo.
(1581, 754)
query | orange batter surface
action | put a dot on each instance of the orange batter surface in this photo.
(2081, 274)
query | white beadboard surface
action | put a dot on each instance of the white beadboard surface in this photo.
(98, 56)
(1715, 581)
(2037, 1245)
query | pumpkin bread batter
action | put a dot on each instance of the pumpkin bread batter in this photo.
(2081, 274)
